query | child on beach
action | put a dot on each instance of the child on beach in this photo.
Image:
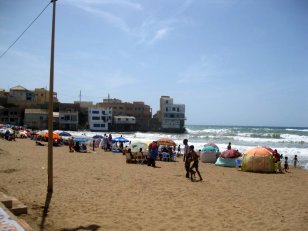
(286, 165)
(195, 164)
(295, 161)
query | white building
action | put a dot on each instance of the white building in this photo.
(172, 116)
(99, 118)
(124, 120)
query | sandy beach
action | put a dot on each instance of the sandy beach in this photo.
(99, 191)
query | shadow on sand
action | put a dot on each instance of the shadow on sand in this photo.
(90, 227)
(45, 211)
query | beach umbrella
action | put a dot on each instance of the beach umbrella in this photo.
(97, 137)
(65, 134)
(41, 133)
(135, 146)
(231, 153)
(55, 136)
(81, 139)
(8, 131)
(166, 141)
(120, 139)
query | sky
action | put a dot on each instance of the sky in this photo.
(231, 62)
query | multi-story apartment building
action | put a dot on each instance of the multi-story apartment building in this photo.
(100, 118)
(36, 118)
(139, 110)
(171, 116)
(68, 116)
(41, 96)
(11, 115)
(83, 113)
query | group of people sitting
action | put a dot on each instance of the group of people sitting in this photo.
(77, 147)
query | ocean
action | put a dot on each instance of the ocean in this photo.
(289, 141)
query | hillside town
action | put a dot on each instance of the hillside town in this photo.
(29, 108)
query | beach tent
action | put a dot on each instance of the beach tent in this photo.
(258, 159)
(209, 153)
(166, 142)
(231, 153)
(226, 162)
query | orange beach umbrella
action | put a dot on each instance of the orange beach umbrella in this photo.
(166, 141)
(55, 136)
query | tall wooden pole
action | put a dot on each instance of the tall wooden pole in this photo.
(50, 111)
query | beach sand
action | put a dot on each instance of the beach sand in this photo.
(99, 191)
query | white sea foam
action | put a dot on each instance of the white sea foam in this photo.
(286, 141)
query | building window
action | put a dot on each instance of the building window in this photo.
(166, 109)
(103, 125)
(103, 112)
(96, 125)
(95, 112)
(95, 118)
(178, 109)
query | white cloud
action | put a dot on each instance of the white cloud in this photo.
(118, 3)
(147, 30)
(160, 34)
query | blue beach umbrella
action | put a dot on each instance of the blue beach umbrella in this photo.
(65, 134)
(120, 139)
(81, 139)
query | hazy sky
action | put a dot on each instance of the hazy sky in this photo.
(231, 62)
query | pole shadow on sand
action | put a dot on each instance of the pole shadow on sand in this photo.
(90, 227)
(45, 211)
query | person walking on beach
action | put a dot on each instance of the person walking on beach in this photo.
(153, 154)
(295, 161)
(71, 144)
(179, 150)
(186, 158)
(286, 164)
(195, 164)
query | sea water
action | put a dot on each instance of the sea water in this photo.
(287, 140)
